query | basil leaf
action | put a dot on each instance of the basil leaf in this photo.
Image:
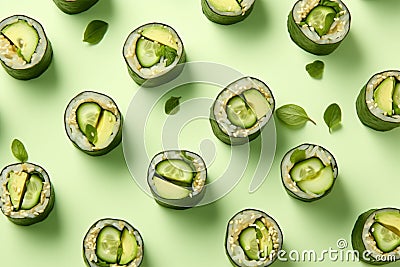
(172, 105)
(332, 116)
(332, 4)
(315, 69)
(19, 151)
(168, 53)
(297, 156)
(293, 115)
(91, 133)
(95, 31)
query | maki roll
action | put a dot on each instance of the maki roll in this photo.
(74, 6)
(177, 178)
(112, 242)
(241, 111)
(253, 238)
(227, 11)
(378, 104)
(93, 123)
(319, 26)
(25, 51)
(376, 236)
(27, 195)
(308, 172)
(152, 53)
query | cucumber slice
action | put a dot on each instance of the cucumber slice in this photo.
(321, 19)
(306, 169)
(383, 95)
(175, 170)
(129, 247)
(87, 113)
(160, 34)
(169, 190)
(320, 184)
(396, 99)
(33, 190)
(256, 100)
(265, 242)
(147, 52)
(105, 128)
(385, 239)
(248, 242)
(226, 5)
(239, 113)
(24, 37)
(16, 187)
(108, 243)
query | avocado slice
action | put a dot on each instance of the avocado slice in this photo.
(24, 37)
(105, 128)
(16, 187)
(169, 190)
(385, 239)
(396, 99)
(161, 35)
(129, 247)
(383, 95)
(265, 242)
(390, 220)
(226, 5)
(257, 102)
(321, 19)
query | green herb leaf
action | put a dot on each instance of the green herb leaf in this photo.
(297, 156)
(332, 116)
(91, 133)
(293, 115)
(172, 105)
(95, 31)
(315, 69)
(168, 53)
(19, 151)
(332, 4)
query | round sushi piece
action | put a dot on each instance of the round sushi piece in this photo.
(177, 178)
(113, 242)
(319, 26)
(241, 111)
(27, 195)
(376, 236)
(74, 6)
(25, 51)
(152, 53)
(378, 104)
(93, 123)
(308, 172)
(227, 11)
(253, 238)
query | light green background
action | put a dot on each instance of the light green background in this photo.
(89, 188)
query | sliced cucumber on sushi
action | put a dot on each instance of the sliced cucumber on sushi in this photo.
(93, 123)
(27, 195)
(241, 111)
(177, 178)
(319, 26)
(376, 236)
(308, 172)
(227, 11)
(25, 51)
(113, 242)
(74, 6)
(378, 104)
(253, 238)
(152, 53)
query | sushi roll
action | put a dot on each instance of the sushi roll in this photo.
(308, 172)
(93, 123)
(319, 26)
(376, 236)
(253, 238)
(152, 53)
(227, 11)
(74, 6)
(113, 242)
(27, 195)
(25, 51)
(241, 111)
(378, 104)
(177, 178)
